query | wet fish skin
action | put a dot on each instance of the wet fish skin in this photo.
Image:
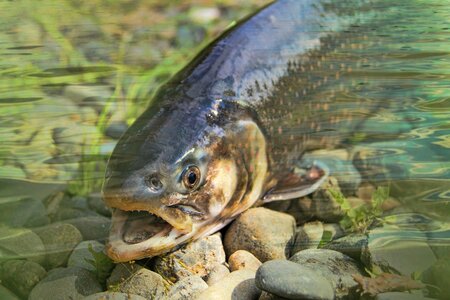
(227, 115)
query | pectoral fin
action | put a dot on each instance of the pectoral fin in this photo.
(303, 180)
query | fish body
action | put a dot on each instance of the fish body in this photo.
(225, 133)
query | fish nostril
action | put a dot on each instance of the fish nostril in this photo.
(154, 183)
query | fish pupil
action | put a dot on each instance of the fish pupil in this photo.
(192, 178)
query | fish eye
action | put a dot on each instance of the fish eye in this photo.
(153, 182)
(191, 177)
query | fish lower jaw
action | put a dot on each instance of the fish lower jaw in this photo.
(139, 234)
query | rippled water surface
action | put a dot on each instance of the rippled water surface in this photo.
(74, 75)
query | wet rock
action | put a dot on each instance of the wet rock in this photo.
(66, 283)
(334, 230)
(268, 296)
(92, 227)
(21, 243)
(216, 274)
(187, 288)
(189, 35)
(121, 272)
(324, 206)
(335, 266)
(196, 258)
(113, 296)
(242, 259)
(72, 208)
(265, 233)
(292, 281)
(116, 129)
(59, 241)
(204, 14)
(24, 212)
(400, 296)
(307, 236)
(6, 294)
(437, 275)
(397, 249)
(21, 276)
(145, 283)
(350, 245)
(365, 192)
(236, 285)
(83, 257)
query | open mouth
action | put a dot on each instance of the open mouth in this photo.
(140, 226)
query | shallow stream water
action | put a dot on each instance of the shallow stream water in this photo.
(74, 75)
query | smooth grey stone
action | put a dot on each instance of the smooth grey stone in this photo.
(268, 296)
(265, 233)
(292, 281)
(21, 243)
(66, 283)
(59, 240)
(196, 258)
(82, 257)
(394, 249)
(21, 276)
(307, 236)
(335, 266)
(145, 283)
(187, 288)
(113, 296)
(23, 212)
(323, 206)
(96, 203)
(120, 273)
(350, 245)
(238, 285)
(6, 294)
(94, 227)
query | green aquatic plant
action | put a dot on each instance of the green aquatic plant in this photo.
(360, 218)
(101, 263)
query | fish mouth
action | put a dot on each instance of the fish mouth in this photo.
(137, 234)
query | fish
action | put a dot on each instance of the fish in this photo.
(228, 131)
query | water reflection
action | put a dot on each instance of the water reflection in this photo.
(70, 82)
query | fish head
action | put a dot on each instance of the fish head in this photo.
(167, 186)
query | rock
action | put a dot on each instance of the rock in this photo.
(268, 296)
(92, 227)
(265, 233)
(145, 283)
(400, 296)
(6, 294)
(196, 258)
(365, 192)
(21, 276)
(437, 275)
(350, 245)
(113, 296)
(66, 283)
(334, 230)
(335, 266)
(24, 212)
(307, 236)
(96, 203)
(189, 35)
(82, 257)
(323, 206)
(204, 14)
(242, 259)
(71, 139)
(216, 274)
(116, 129)
(394, 249)
(187, 288)
(236, 285)
(21, 243)
(59, 241)
(120, 273)
(292, 281)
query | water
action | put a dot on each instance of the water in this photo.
(69, 71)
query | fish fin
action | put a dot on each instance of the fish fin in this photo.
(302, 181)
